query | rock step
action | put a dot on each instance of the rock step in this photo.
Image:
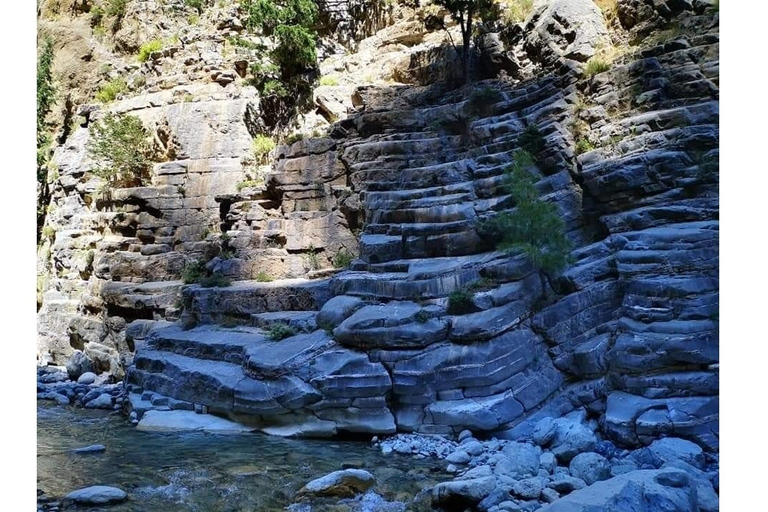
(424, 198)
(398, 285)
(246, 298)
(440, 213)
(421, 228)
(381, 248)
(202, 381)
(208, 342)
(299, 320)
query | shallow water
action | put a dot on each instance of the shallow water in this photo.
(171, 472)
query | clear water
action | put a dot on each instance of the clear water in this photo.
(171, 472)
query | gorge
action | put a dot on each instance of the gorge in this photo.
(326, 274)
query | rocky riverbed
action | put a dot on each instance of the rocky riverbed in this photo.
(89, 457)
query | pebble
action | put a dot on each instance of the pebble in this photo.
(94, 448)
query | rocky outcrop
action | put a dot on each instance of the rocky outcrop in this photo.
(627, 334)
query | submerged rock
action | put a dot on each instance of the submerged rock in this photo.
(176, 421)
(97, 495)
(341, 484)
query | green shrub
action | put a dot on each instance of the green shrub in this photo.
(460, 302)
(517, 11)
(46, 95)
(263, 277)
(97, 15)
(329, 80)
(294, 137)
(312, 258)
(583, 146)
(116, 8)
(49, 232)
(193, 272)
(596, 66)
(121, 152)
(111, 89)
(342, 259)
(422, 316)
(147, 48)
(215, 281)
(249, 184)
(195, 4)
(280, 331)
(534, 227)
(531, 141)
(483, 283)
(262, 146)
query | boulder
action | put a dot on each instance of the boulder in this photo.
(179, 421)
(570, 438)
(96, 495)
(528, 488)
(461, 494)
(87, 378)
(339, 484)
(590, 467)
(79, 364)
(336, 310)
(103, 401)
(94, 448)
(670, 449)
(638, 491)
(520, 460)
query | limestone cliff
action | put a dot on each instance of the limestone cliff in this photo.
(396, 167)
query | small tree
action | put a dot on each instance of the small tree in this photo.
(533, 227)
(465, 12)
(121, 151)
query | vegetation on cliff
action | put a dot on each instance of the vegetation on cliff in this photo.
(534, 227)
(121, 151)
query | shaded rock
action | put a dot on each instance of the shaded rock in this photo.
(460, 494)
(103, 401)
(520, 460)
(670, 449)
(565, 484)
(336, 310)
(339, 484)
(590, 467)
(639, 491)
(528, 488)
(458, 457)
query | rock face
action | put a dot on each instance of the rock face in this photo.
(627, 334)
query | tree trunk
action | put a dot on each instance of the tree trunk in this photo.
(466, 33)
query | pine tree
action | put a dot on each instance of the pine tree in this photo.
(534, 227)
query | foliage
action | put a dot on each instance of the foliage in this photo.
(121, 152)
(46, 95)
(294, 137)
(195, 4)
(215, 281)
(262, 145)
(342, 259)
(460, 302)
(531, 141)
(263, 277)
(292, 24)
(583, 145)
(147, 48)
(49, 232)
(116, 8)
(422, 316)
(534, 227)
(111, 89)
(517, 11)
(280, 331)
(329, 80)
(193, 272)
(465, 12)
(312, 259)
(249, 184)
(596, 66)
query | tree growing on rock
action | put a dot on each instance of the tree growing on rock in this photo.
(121, 151)
(534, 227)
(465, 13)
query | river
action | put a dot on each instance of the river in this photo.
(171, 472)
